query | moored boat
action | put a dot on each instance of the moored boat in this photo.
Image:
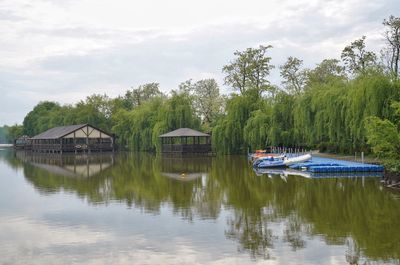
(280, 161)
(259, 154)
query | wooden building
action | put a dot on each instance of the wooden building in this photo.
(73, 138)
(185, 141)
(22, 143)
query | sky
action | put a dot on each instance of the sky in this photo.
(66, 50)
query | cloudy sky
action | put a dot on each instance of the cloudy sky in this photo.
(65, 50)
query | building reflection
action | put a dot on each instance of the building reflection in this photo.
(69, 165)
(186, 168)
(260, 213)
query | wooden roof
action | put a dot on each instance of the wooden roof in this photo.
(184, 132)
(58, 132)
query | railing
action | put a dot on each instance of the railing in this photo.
(46, 147)
(186, 148)
(85, 147)
(72, 147)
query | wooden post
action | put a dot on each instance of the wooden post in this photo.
(75, 143)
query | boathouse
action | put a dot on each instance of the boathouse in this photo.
(22, 143)
(185, 141)
(73, 138)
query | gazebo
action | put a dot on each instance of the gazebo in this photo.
(185, 141)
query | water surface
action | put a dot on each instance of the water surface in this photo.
(144, 209)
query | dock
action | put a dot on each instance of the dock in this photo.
(330, 165)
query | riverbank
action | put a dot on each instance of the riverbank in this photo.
(353, 158)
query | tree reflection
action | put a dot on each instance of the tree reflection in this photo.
(252, 232)
(345, 211)
(353, 252)
(294, 232)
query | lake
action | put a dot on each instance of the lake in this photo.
(132, 208)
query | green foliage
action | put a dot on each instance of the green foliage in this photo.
(316, 108)
(228, 135)
(13, 132)
(392, 51)
(142, 121)
(329, 70)
(383, 136)
(250, 69)
(135, 97)
(3, 134)
(39, 119)
(9, 133)
(356, 58)
(294, 77)
(257, 128)
(207, 101)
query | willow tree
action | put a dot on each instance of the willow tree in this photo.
(176, 112)
(256, 131)
(281, 130)
(228, 134)
(368, 95)
(142, 121)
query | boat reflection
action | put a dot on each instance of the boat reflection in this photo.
(288, 212)
(285, 173)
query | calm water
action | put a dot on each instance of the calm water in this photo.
(143, 209)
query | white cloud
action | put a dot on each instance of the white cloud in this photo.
(66, 50)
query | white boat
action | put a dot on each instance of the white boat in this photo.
(281, 161)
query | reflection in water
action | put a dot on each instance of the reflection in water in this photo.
(267, 217)
(185, 168)
(82, 165)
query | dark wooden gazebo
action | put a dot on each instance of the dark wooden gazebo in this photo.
(185, 141)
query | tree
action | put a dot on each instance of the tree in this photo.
(38, 120)
(356, 58)
(207, 100)
(137, 96)
(14, 132)
(383, 137)
(227, 135)
(249, 69)
(96, 110)
(257, 127)
(176, 112)
(294, 79)
(392, 37)
(3, 134)
(326, 71)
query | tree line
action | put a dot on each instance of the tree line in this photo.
(341, 105)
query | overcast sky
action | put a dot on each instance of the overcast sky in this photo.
(65, 50)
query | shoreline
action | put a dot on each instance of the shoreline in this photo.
(367, 159)
(390, 179)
